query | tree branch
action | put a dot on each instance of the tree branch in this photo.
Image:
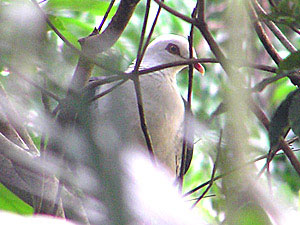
(214, 47)
(283, 144)
(263, 36)
(174, 12)
(14, 120)
(137, 87)
(235, 170)
(187, 130)
(281, 37)
(96, 43)
(106, 15)
(21, 174)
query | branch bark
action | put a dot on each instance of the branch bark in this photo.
(263, 36)
(281, 37)
(21, 174)
(97, 43)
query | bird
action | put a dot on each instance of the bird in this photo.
(117, 120)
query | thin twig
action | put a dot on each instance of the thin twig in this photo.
(270, 69)
(108, 90)
(291, 156)
(213, 171)
(93, 60)
(25, 78)
(143, 122)
(174, 12)
(106, 67)
(259, 113)
(137, 87)
(281, 37)
(214, 47)
(62, 37)
(188, 108)
(295, 29)
(106, 15)
(283, 144)
(263, 36)
(233, 170)
(191, 68)
(151, 32)
(13, 119)
(177, 63)
(202, 26)
(290, 141)
(139, 56)
(93, 84)
(265, 82)
(207, 196)
(272, 3)
(123, 75)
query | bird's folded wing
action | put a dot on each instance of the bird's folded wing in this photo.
(189, 139)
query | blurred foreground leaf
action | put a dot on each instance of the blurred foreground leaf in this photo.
(251, 215)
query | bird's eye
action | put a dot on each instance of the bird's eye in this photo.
(173, 49)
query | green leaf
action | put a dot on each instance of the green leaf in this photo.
(58, 23)
(76, 26)
(10, 202)
(294, 113)
(251, 214)
(290, 63)
(286, 12)
(279, 123)
(282, 90)
(94, 7)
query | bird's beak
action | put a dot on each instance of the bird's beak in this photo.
(200, 68)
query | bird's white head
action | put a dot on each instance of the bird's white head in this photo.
(167, 49)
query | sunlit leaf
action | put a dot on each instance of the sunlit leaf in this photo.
(283, 88)
(58, 23)
(95, 7)
(76, 26)
(10, 202)
(251, 215)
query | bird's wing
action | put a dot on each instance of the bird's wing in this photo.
(189, 138)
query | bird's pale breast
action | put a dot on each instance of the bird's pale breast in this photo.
(164, 112)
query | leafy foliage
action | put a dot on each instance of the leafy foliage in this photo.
(94, 7)
(290, 63)
(53, 63)
(10, 202)
(286, 12)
